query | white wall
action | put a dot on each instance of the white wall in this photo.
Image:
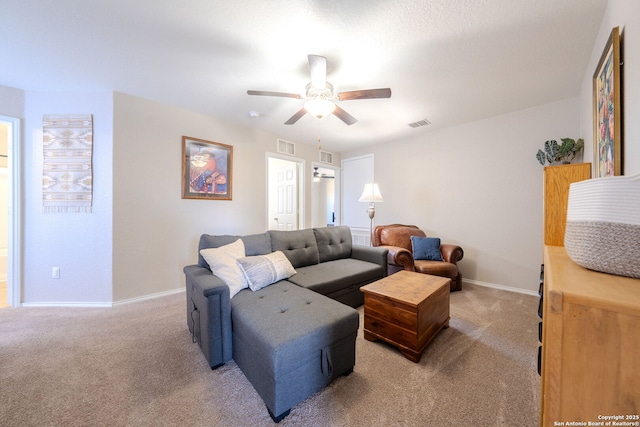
(626, 15)
(477, 185)
(11, 102)
(80, 244)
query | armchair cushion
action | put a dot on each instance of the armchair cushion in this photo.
(426, 248)
(437, 268)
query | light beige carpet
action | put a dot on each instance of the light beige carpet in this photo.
(135, 365)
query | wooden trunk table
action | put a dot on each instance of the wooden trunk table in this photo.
(406, 310)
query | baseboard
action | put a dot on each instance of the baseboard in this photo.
(500, 287)
(148, 297)
(103, 304)
(68, 304)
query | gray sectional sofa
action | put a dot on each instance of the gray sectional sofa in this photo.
(295, 336)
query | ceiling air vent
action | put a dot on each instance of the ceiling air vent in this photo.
(326, 157)
(286, 147)
(420, 123)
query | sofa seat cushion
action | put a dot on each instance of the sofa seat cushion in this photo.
(437, 268)
(286, 325)
(332, 276)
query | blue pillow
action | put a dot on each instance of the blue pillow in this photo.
(426, 248)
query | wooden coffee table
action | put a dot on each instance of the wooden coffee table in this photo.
(406, 310)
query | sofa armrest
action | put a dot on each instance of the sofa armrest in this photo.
(209, 308)
(400, 257)
(209, 283)
(376, 255)
(451, 253)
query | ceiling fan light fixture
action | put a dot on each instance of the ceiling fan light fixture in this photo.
(319, 107)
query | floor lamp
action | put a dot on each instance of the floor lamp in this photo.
(371, 194)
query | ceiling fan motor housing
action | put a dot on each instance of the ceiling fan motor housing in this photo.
(320, 93)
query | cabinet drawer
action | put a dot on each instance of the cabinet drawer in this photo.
(392, 333)
(391, 312)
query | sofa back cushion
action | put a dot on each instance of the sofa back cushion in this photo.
(333, 242)
(254, 244)
(299, 246)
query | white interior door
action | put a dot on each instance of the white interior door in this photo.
(284, 211)
(287, 197)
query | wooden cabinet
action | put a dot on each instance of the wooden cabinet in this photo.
(406, 310)
(590, 343)
(556, 194)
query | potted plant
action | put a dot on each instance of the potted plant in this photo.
(559, 154)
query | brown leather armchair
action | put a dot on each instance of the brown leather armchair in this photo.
(397, 238)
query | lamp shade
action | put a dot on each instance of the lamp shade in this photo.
(371, 193)
(319, 107)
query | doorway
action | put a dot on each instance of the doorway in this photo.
(325, 195)
(285, 200)
(9, 212)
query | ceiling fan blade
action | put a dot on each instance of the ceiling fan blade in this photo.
(281, 94)
(365, 94)
(296, 116)
(318, 71)
(344, 116)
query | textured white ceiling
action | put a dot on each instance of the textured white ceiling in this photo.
(448, 61)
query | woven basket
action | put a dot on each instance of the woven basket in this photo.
(603, 225)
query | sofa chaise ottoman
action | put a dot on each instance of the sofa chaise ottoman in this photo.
(290, 342)
(295, 336)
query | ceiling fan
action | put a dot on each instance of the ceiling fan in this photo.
(317, 175)
(321, 97)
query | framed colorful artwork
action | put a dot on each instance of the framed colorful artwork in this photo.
(607, 110)
(206, 169)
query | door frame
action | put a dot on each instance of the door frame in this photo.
(300, 163)
(14, 236)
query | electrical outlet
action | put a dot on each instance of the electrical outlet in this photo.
(55, 272)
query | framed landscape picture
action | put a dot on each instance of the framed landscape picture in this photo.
(607, 110)
(206, 169)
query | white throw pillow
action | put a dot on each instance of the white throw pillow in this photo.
(222, 262)
(263, 270)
